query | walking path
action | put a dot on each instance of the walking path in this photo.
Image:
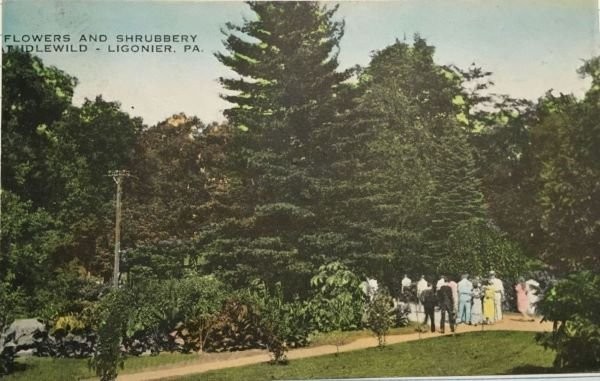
(511, 322)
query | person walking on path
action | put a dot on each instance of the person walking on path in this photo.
(454, 286)
(476, 310)
(465, 290)
(421, 286)
(533, 288)
(406, 282)
(522, 299)
(446, 304)
(499, 296)
(489, 305)
(429, 301)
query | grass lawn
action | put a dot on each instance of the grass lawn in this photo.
(36, 368)
(476, 353)
(47, 369)
(340, 338)
(465, 354)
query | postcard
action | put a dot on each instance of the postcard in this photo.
(228, 190)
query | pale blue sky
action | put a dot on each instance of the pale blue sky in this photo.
(529, 45)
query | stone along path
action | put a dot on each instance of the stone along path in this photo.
(511, 322)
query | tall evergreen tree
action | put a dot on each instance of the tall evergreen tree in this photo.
(456, 196)
(405, 173)
(287, 62)
(286, 59)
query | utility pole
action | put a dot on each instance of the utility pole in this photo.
(117, 176)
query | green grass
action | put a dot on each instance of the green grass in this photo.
(35, 368)
(465, 354)
(337, 337)
(46, 369)
(477, 353)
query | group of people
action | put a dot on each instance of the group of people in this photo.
(470, 302)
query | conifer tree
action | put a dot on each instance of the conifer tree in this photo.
(286, 59)
(408, 178)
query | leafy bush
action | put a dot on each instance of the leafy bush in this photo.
(338, 302)
(10, 301)
(158, 309)
(401, 312)
(7, 361)
(284, 324)
(573, 304)
(238, 327)
(276, 322)
(380, 315)
(202, 300)
(71, 337)
(68, 323)
(115, 310)
(173, 315)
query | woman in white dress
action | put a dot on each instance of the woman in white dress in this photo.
(533, 288)
(476, 312)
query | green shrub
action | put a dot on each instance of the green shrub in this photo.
(380, 315)
(573, 304)
(284, 324)
(174, 314)
(68, 323)
(115, 313)
(337, 303)
(202, 302)
(237, 327)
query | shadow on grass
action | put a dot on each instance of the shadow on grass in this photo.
(18, 367)
(534, 369)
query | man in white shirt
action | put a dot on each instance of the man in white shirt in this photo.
(498, 296)
(406, 282)
(440, 282)
(421, 285)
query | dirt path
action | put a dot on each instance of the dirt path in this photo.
(510, 323)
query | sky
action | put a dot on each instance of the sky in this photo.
(530, 46)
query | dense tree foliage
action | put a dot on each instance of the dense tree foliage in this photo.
(403, 170)
(540, 174)
(33, 98)
(573, 305)
(567, 137)
(475, 247)
(287, 64)
(56, 197)
(177, 180)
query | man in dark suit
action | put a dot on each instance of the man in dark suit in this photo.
(429, 300)
(446, 304)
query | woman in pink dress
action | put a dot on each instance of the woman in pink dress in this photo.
(522, 299)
